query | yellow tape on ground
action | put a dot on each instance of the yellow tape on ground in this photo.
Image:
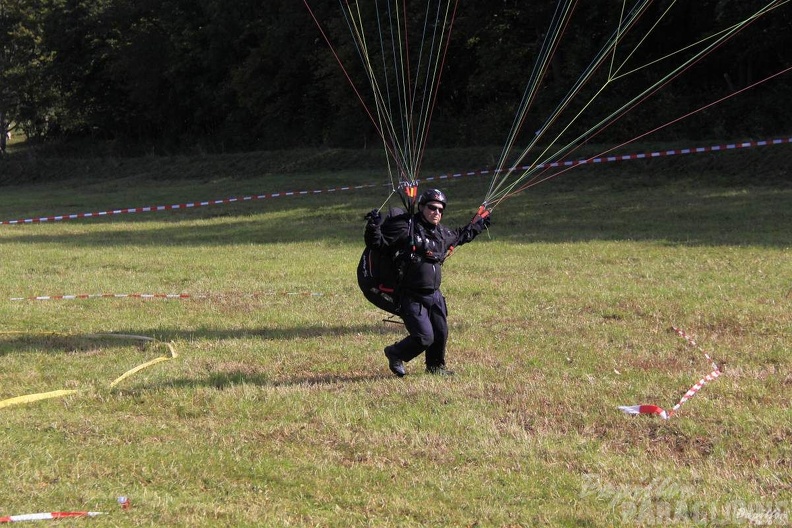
(35, 397)
(56, 394)
(147, 364)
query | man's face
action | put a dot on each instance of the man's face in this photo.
(432, 212)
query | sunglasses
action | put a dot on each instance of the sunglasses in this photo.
(435, 208)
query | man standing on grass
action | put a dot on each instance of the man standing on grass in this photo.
(420, 243)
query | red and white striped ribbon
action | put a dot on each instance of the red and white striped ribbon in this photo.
(555, 164)
(659, 411)
(180, 206)
(47, 516)
(81, 296)
(104, 296)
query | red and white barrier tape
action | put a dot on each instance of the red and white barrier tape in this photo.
(176, 207)
(670, 152)
(654, 409)
(570, 163)
(104, 296)
(82, 296)
(47, 516)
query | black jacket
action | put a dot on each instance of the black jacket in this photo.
(420, 246)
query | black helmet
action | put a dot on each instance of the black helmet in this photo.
(432, 195)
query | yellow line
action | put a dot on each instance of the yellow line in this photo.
(57, 394)
(35, 397)
(129, 372)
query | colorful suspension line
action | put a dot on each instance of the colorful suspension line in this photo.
(511, 179)
(402, 55)
(541, 173)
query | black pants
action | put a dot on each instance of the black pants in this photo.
(425, 319)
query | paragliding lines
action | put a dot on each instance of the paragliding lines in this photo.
(402, 55)
(598, 158)
(509, 178)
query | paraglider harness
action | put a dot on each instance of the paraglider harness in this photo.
(380, 272)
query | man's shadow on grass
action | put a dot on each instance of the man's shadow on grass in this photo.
(88, 343)
(227, 380)
(75, 342)
(222, 380)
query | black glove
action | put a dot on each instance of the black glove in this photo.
(484, 222)
(374, 217)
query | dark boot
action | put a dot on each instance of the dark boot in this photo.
(395, 364)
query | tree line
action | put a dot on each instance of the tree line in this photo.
(248, 74)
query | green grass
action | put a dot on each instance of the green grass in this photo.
(280, 409)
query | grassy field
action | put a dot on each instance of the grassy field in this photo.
(280, 410)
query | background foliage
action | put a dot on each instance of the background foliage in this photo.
(252, 75)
